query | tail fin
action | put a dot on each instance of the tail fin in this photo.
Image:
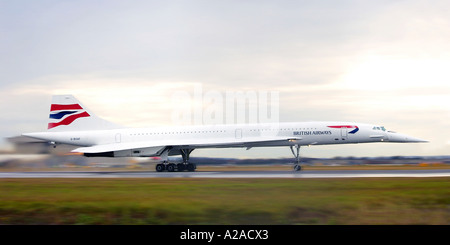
(68, 114)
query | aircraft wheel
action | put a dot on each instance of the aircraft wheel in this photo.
(181, 167)
(191, 167)
(160, 167)
(170, 167)
(297, 167)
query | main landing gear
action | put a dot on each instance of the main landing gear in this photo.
(179, 167)
(175, 167)
(297, 166)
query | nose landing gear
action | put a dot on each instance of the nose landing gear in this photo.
(296, 153)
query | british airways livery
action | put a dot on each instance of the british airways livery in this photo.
(72, 123)
(58, 111)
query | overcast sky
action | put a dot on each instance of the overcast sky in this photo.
(380, 62)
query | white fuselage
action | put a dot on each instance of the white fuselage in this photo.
(221, 136)
(311, 133)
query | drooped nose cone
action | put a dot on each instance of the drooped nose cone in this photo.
(403, 138)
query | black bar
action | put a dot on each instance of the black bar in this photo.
(229, 234)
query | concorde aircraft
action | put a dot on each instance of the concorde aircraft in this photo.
(72, 123)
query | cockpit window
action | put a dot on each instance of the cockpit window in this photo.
(379, 128)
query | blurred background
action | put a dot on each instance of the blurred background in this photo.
(30, 154)
(383, 62)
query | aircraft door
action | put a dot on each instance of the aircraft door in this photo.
(118, 138)
(238, 133)
(344, 133)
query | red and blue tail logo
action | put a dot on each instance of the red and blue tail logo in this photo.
(65, 114)
(356, 129)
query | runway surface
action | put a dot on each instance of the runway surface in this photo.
(235, 174)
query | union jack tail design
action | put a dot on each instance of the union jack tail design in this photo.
(65, 114)
(68, 114)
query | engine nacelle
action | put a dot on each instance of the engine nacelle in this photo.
(100, 154)
(141, 152)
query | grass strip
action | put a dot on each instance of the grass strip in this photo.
(225, 201)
